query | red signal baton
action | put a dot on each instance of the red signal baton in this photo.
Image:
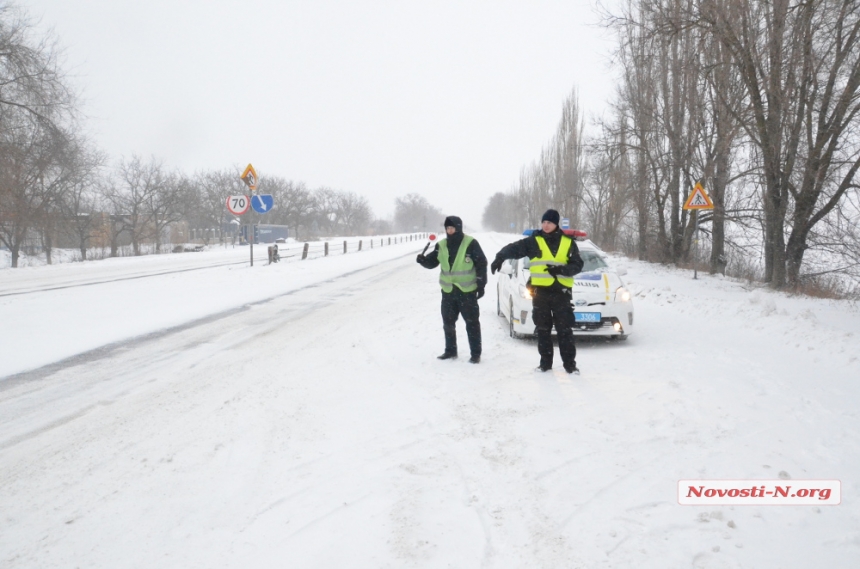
(432, 238)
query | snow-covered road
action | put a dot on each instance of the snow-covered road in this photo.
(308, 424)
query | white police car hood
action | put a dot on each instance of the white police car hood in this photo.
(594, 288)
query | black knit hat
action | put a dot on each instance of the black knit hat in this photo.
(455, 222)
(552, 216)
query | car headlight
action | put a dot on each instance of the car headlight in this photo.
(525, 292)
(622, 295)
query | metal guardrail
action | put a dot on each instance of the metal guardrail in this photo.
(317, 249)
(303, 251)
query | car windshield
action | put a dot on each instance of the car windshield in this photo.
(592, 261)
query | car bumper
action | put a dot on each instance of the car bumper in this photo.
(611, 324)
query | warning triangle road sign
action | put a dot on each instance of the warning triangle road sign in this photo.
(699, 199)
(249, 176)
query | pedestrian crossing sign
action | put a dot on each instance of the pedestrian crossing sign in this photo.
(249, 176)
(699, 199)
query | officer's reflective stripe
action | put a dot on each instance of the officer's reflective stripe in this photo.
(465, 284)
(461, 274)
(538, 265)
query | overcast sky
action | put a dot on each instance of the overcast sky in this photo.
(448, 99)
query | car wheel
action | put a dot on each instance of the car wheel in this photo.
(620, 338)
(511, 321)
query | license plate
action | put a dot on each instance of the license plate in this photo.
(586, 316)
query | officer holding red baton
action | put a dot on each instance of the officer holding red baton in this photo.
(463, 278)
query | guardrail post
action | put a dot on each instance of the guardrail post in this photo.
(305, 252)
(326, 248)
(389, 240)
(344, 247)
(359, 244)
(371, 243)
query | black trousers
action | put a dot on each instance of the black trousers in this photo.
(551, 307)
(454, 304)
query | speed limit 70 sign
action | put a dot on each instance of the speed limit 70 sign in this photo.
(237, 205)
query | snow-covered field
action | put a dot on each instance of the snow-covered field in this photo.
(294, 415)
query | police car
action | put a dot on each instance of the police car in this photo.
(602, 304)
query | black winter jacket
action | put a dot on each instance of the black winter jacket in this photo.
(529, 247)
(431, 260)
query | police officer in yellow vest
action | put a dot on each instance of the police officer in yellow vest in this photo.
(554, 260)
(463, 278)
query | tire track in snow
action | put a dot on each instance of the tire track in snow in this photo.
(115, 369)
(110, 349)
(119, 279)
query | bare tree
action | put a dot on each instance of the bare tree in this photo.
(205, 201)
(354, 213)
(414, 211)
(568, 160)
(500, 213)
(295, 206)
(131, 196)
(37, 119)
(77, 196)
(165, 201)
(609, 196)
(800, 66)
(326, 208)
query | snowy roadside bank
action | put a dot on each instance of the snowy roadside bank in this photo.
(44, 327)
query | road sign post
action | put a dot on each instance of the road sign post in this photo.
(699, 199)
(237, 205)
(249, 176)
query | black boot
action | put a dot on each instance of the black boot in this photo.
(475, 359)
(447, 356)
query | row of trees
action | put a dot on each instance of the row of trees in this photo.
(555, 180)
(55, 187)
(757, 99)
(143, 202)
(309, 213)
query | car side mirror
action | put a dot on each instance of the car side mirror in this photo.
(506, 269)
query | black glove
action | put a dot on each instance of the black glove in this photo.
(420, 259)
(554, 270)
(496, 265)
(480, 292)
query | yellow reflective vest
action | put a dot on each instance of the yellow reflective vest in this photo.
(461, 273)
(538, 265)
